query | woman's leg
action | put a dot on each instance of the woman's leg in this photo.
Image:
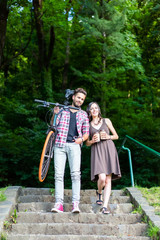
(107, 190)
(100, 185)
(101, 182)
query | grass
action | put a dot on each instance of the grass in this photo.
(153, 232)
(3, 236)
(138, 210)
(153, 197)
(2, 195)
(52, 191)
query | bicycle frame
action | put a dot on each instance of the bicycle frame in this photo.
(47, 104)
(45, 159)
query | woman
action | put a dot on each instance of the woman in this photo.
(104, 158)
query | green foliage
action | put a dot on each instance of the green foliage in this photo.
(52, 191)
(14, 216)
(7, 225)
(138, 210)
(111, 48)
(2, 195)
(153, 197)
(3, 236)
(12, 220)
(153, 231)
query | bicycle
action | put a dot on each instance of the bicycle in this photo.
(47, 152)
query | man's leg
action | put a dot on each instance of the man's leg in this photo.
(74, 158)
(59, 167)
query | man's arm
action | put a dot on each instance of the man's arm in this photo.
(55, 111)
(82, 139)
(85, 129)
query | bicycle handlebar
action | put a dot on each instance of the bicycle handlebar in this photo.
(47, 104)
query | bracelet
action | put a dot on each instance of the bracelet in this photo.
(82, 139)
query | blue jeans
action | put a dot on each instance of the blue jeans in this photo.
(73, 152)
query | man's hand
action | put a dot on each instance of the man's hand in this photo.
(78, 140)
(56, 110)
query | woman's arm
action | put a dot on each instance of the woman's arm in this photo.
(114, 135)
(92, 141)
(89, 142)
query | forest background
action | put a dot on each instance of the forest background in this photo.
(111, 48)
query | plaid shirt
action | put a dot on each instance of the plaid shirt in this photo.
(63, 126)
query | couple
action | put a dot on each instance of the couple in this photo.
(73, 128)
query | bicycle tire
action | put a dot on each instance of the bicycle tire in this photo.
(46, 156)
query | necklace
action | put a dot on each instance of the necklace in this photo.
(99, 120)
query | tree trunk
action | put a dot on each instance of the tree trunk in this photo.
(66, 64)
(44, 57)
(37, 4)
(51, 46)
(103, 98)
(104, 80)
(3, 26)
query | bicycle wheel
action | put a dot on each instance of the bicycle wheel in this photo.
(46, 156)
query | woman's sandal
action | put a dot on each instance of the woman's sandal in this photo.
(99, 201)
(105, 210)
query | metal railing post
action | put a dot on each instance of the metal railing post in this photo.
(129, 153)
(130, 164)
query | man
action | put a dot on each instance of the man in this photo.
(72, 131)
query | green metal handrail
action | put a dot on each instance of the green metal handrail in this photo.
(129, 153)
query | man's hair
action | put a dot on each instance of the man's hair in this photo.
(80, 90)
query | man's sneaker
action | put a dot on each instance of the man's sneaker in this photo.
(75, 208)
(58, 207)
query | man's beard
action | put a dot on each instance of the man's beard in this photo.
(75, 105)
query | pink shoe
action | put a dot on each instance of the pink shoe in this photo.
(75, 208)
(58, 207)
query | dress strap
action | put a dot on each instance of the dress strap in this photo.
(104, 122)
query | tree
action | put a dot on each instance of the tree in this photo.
(4, 11)
(111, 48)
(149, 40)
(44, 57)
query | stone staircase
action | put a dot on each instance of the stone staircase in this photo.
(36, 222)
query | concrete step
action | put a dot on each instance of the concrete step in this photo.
(36, 222)
(67, 192)
(31, 217)
(138, 229)
(88, 208)
(73, 237)
(68, 199)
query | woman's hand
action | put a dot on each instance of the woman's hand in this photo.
(96, 138)
(103, 135)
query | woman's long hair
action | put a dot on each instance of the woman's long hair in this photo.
(89, 112)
